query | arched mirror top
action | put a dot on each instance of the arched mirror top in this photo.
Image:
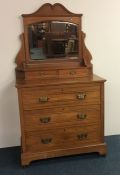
(53, 34)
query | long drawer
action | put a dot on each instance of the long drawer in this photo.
(59, 117)
(62, 73)
(62, 138)
(39, 98)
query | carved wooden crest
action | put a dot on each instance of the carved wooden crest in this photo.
(51, 10)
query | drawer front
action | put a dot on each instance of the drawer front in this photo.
(37, 98)
(61, 89)
(65, 73)
(69, 73)
(62, 138)
(39, 119)
(41, 74)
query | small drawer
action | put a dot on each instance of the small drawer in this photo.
(41, 74)
(59, 117)
(64, 138)
(37, 98)
(74, 73)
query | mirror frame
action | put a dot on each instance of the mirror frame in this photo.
(49, 12)
(55, 12)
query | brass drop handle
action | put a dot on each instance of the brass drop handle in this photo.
(46, 140)
(81, 96)
(81, 116)
(43, 99)
(45, 120)
(72, 72)
(82, 136)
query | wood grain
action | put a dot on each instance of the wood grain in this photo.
(62, 138)
(61, 102)
(59, 117)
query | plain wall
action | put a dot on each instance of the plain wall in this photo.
(101, 23)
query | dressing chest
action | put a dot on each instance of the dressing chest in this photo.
(61, 101)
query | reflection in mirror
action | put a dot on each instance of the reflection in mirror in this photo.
(53, 39)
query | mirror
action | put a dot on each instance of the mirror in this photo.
(53, 39)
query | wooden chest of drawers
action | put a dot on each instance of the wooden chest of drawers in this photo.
(62, 118)
(61, 102)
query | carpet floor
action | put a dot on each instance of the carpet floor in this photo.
(85, 164)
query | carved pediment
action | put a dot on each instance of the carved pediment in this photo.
(51, 10)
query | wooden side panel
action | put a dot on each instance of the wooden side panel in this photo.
(102, 112)
(23, 140)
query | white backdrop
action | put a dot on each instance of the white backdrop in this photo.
(101, 23)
